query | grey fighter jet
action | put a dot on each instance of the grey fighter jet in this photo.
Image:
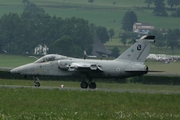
(128, 64)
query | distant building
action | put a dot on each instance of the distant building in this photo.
(142, 28)
(41, 50)
(98, 48)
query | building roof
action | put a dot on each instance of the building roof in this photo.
(142, 24)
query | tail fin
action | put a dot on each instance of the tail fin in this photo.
(139, 50)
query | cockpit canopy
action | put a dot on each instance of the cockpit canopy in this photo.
(50, 57)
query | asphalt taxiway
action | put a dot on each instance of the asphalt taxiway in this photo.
(97, 89)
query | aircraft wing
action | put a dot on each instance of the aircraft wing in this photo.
(84, 67)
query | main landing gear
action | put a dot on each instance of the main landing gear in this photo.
(36, 82)
(84, 85)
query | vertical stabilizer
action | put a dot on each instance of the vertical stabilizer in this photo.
(139, 50)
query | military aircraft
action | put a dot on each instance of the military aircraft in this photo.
(128, 64)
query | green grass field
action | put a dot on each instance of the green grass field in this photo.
(122, 3)
(169, 69)
(14, 60)
(41, 104)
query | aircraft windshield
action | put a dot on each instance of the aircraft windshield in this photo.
(49, 58)
(45, 59)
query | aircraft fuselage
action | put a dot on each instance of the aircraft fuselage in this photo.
(111, 69)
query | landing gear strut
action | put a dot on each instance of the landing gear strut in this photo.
(36, 82)
(92, 85)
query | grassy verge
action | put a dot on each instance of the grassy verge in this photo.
(57, 104)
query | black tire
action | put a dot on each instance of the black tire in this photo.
(84, 85)
(92, 85)
(37, 84)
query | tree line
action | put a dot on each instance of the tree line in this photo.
(170, 39)
(70, 36)
(160, 9)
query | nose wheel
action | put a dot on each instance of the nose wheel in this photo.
(36, 82)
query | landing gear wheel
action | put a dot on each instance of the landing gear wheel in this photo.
(84, 85)
(92, 85)
(37, 84)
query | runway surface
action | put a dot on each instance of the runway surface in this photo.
(97, 89)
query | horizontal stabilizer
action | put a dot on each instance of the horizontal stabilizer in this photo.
(155, 71)
(140, 71)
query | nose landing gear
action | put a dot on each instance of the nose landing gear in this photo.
(36, 82)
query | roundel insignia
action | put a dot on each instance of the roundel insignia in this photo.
(118, 69)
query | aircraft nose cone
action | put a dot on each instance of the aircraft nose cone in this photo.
(21, 69)
(14, 70)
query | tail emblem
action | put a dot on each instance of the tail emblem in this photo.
(139, 50)
(139, 47)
